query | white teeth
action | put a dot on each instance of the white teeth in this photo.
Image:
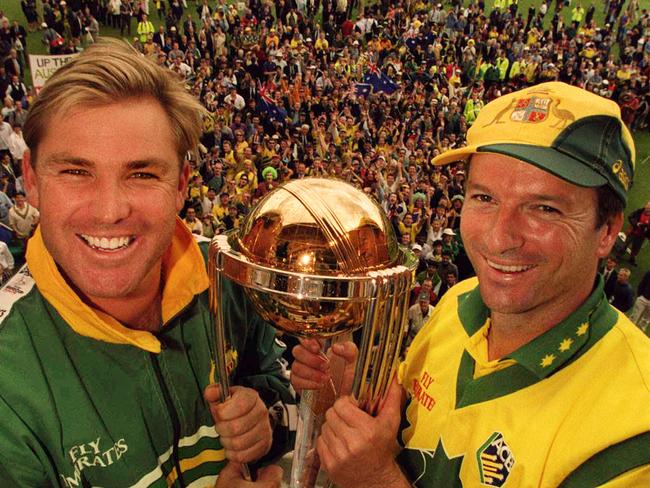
(509, 269)
(105, 243)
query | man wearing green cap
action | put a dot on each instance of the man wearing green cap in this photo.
(525, 375)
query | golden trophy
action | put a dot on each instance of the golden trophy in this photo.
(319, 258)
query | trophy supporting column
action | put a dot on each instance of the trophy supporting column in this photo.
(311, 416)
(216, 278)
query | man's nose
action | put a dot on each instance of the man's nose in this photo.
(112, 202)
(505, 232)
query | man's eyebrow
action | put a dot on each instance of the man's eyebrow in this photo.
(543, 197)
(477, 187)
(66, 159)
(146, 163)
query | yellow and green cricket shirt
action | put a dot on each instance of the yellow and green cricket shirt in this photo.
(85, 401)
(569, 409)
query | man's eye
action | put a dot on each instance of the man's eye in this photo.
(548, 209)
(75, 172)
(482, 198)
(143, 176)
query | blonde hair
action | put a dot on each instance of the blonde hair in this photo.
(109, 72)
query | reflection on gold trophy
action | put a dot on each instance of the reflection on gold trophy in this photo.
(319, 258)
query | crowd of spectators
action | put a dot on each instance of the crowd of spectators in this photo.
(283, 85)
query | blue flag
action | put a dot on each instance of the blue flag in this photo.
(379, 81)
(412, 43)
(362, 89)
(266, 105)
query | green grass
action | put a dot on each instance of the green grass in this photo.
(639, 194)
(34, 44)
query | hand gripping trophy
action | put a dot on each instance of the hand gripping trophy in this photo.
(319, 258)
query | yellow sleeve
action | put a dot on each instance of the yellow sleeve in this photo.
(401, 373)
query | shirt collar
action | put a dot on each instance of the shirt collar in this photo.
(559, 345)
(184, 276)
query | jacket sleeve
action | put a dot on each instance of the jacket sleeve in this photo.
(19, 459)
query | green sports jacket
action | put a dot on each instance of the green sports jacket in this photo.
(85, 401)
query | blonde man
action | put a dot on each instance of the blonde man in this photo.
(108, 377)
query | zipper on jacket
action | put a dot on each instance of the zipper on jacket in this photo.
(174, 418)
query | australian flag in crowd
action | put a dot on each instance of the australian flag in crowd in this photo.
(379, 81)
(266, 105)
(362, 89)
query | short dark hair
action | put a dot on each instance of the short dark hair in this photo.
(609, 205)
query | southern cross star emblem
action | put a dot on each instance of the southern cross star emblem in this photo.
(565, 345)
(547, 360)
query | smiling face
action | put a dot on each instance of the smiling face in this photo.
(108, 185)
(531, 237)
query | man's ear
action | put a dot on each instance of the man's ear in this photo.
(609, 234)
(183, 182)
(30, 181)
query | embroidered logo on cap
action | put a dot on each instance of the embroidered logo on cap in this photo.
(532, 109)
(619, 171)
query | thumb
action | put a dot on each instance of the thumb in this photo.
(347, 350)
(212, 393)
(391, 408)
(231, 472)
(270, 474)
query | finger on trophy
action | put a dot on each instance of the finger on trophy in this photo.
(348, 352)
(243, 425)
(231, 477)
(270, 476)
(212, 393)
(310, 353)
(310, 370)
(314, 345)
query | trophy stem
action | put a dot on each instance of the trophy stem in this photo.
(220, 345)
(313, 405)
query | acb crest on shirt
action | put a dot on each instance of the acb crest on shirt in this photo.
(495, 460)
